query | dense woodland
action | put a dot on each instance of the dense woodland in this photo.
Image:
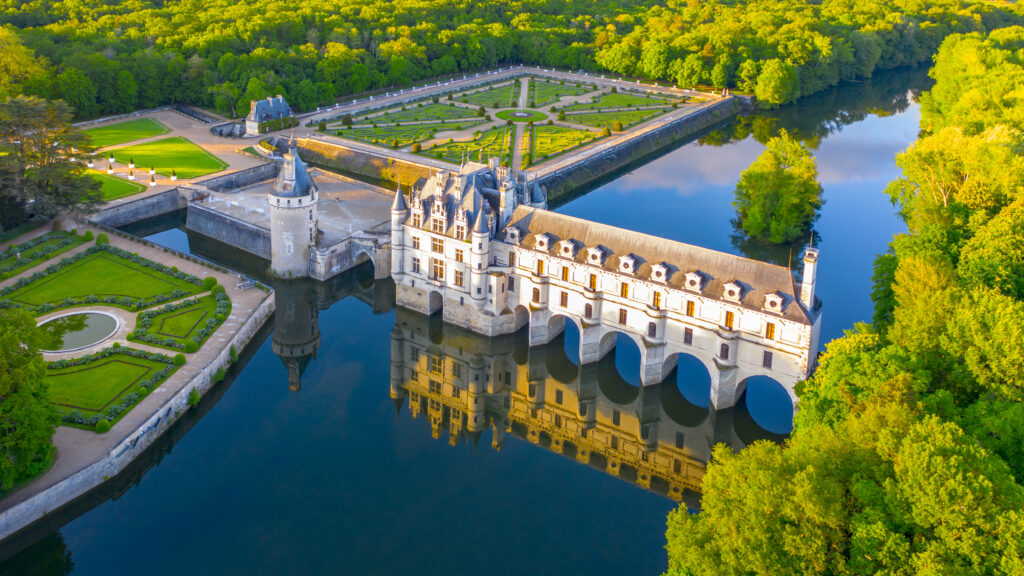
(111, 56)
(908, 449)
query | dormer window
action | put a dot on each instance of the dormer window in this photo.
(595, 256)
(543, 242)
(417, 220)
(512, 234)
(773, 303)
(659, 273)
(437, 225)
(694, 281)
(567, 249)
(460, 231)
(732, 291)
(627, 265)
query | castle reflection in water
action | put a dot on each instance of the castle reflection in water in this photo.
(463, 385)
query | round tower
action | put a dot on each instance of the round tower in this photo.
(293, 217)
(479, 255)
(296, 339)
(399, 214)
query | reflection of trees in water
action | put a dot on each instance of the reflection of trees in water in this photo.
(47, 557)
(787, 254)
(53, 332)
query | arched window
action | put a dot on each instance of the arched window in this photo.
(723, 352)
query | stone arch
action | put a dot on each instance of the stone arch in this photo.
(690, 376)
(627, 356)
(769, 402)
(679, 409)
(435, 302)
(570, 335)
(520, 317)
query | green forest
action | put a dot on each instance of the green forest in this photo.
(111, 56)
(908, 447)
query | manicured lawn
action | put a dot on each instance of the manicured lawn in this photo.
(494, 142)
(29, 254)
(127, 131)
(114, 187)
(175, 153)
(620, 100)
(100, 274)
(608, 119)
(498, 97)
(544, 92)
(532, 115)
(549, 141)
(174, 325)
(428, 111)
(400, 136)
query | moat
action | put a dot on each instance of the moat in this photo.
(280, 476)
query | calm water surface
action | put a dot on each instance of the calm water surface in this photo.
(329, 450)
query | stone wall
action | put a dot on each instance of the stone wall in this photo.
(232, 231)
(25, 513)
(128, 212)
(376, 167)
(242, 178)
(580, 174)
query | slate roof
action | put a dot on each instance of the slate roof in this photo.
(716, 268)
(294, 181)
(270, 108)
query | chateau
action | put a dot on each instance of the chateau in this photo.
(263, 111)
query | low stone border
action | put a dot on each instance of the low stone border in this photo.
(117, 326)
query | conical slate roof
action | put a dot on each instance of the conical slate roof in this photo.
(399, 204)
(481, 226)
(294, 181)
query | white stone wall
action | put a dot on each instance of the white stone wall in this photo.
(292, 224)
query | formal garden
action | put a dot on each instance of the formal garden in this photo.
(113, 188)
(547, 141)
(401, 136)
(127, 131)
(500, 96)
(421, 112)
(176, 154)
(20, 257)
(496, 142)
(544, 92)
(183, 325)
(620, 100)
(617, 120)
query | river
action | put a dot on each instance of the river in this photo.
(313, 457)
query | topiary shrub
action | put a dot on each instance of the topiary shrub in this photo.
(117, 344)
(179, 359)
(218, 289)
(88, 235)
(416, 147)
(102, 239)
(617, 126)
(191, 346)
(102, 426)
(209, 282)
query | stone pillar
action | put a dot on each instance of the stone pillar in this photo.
(724, 385)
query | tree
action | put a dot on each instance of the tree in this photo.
(40, 158)
(27, 417)
(17, 63)
(777, 84)
(778, 196)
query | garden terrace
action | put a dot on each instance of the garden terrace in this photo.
(417, 113)
(19, 258)
(495, 97)
(176, 153)
(114, 134)
(543, 92)
(400, 136)
(104, 385)
(620, 100)
(495, 142)
(625, 118)
(548, 141)
(175, 325)
(114, 188)
(100, 275)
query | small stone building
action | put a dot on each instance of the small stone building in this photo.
(263, 112)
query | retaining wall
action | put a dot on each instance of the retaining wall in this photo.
(232, 231)
(362, 163)
(242, 178)
(121, 455)
(128, 212)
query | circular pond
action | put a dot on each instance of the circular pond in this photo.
(522, 115)
(77, 330)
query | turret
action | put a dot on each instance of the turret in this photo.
(293, 217)
(399, 214)
(479, 255)
(810, 277)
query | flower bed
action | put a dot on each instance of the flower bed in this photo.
(197, 319)
(24, 256)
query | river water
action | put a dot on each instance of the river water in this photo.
(341, 443)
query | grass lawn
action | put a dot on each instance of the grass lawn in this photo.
(100, 384)
(548, 141)
(620, 100)
(608, 119)
(175, 153)
(18, 259)
(494, 142)
(400, 136)
(544, 92)
(114, 187)
(100, 274)
(172, 326)
(428, 111)
(523, 115)
(497, 97)
(125, 132)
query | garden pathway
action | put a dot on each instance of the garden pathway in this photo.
(78, 449)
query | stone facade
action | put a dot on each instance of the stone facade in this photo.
(493, 264)
(263, 111)
(293, 218)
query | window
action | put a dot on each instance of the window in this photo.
(417, 220)
(415, 243)
(728, 320)
(460, 280)
(511, 258)
(511, 284)
(437, 269)
(437, 245)
(416, 265)
(769, 331)
(766, 359)
(460, 231)
(435, 387)
(622, 316)
(624, 290)
(536, 295)
(689, 307)
(437, 364)
(540, 267)
(558, 396)
(593, 281)
(688, 336)
(652, 330)
(723, 352)
(456, 371)
(460, 255)
(437, 225)
(616, 417)
(588, 310)
(657, 300)
(456, 392)
(563, 300)
(565, 273)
